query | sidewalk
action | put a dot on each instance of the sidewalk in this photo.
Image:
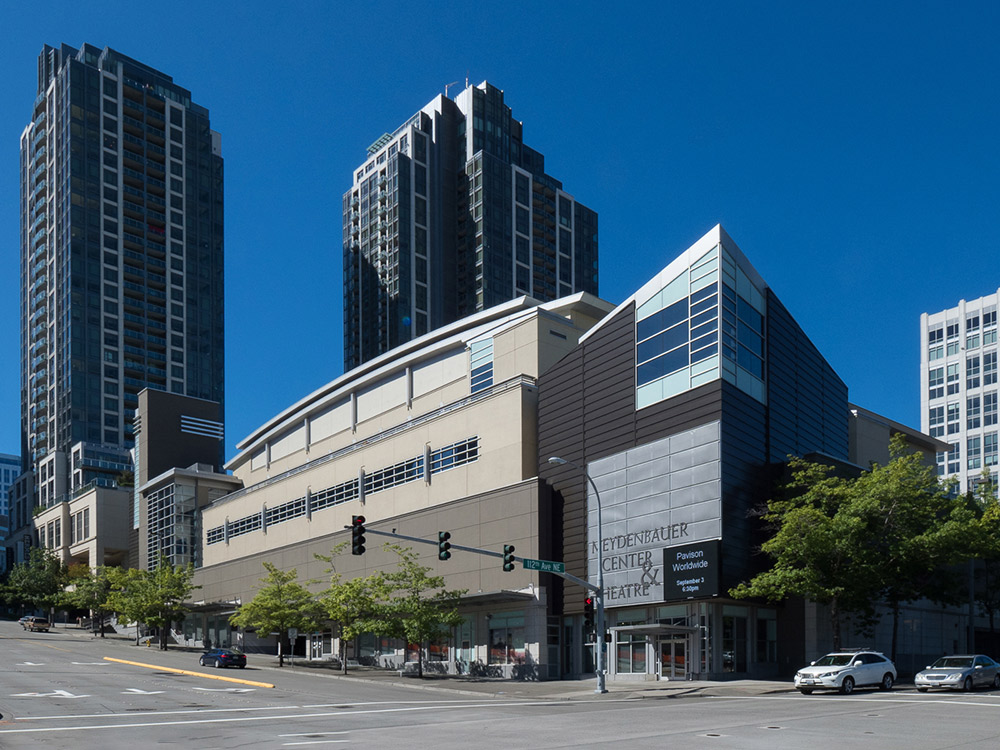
(483, 686)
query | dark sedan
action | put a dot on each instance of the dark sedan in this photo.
(223, 657)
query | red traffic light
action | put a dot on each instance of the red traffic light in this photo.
(358, 520)
(588, 601)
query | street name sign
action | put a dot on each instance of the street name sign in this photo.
(543, 566)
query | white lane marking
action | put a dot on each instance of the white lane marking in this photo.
(314, 742)
(157, 713)
(310, 734)
(292, 717)
(871, 699)
(53, 694)
(137, 691)
(30, 664)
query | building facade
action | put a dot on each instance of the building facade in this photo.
(958, 388)
(10, 469)
(450, 214)
(682, 406)
(438, 435)
(121, 262)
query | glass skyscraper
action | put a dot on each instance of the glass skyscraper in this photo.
(451, 214)
(121, 261)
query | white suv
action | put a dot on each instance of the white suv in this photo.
(846, 670)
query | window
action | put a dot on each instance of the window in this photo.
(972, 412)
(954, 417)
(972, 372)
(481, 365)
(989, 409)
(767, 635)
(954, 458)
(936, 352)
(972, 342)
(989, 368)
(953, 330)
(972, 323)
(952, 348)
(935, 381)
(974, 457)
(990, 449)
(935, 336)
(937, 421)
(506, 641)
(953, 379)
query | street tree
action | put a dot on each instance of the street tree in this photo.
(282, 603)
(820, 548)
(125, 595)
(418, 608)
(917, 530)
(39, 581)
(987, 591)
(355, 604)
(154, 597)
(91, 591)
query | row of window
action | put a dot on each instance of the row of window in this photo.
(981, 451)
(410, 470)
(980, 411)
(979, 371)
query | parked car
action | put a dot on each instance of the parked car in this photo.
(35, 624)
(24, 620)
(964, 672)
(846, 670)
(223, 657)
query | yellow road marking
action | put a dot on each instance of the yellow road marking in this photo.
(191, 673)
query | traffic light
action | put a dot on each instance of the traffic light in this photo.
(444, 545)
(508, 557)
(357, 535)
(588, 614)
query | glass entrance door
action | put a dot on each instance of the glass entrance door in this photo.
(673, 657)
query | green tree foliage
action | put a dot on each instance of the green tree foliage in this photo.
(984, 503)
(91, 591)
(917, 529)
(282, 603)
(819, 547)
(39, 581)
(354, 604)
(154, 597)
(888, 535)
(125, 597)
(417, 607)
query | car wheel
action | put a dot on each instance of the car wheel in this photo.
(996, 681)
(218, 663)
(806, 691)
(967, 685)
(847, 686)
(201, 661)
(921, 690)
(887, 681)
(243, 666)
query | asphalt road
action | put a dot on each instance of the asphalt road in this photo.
(57, 690)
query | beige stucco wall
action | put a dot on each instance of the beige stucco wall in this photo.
(107, 542)
(502, 422)
(510, 515)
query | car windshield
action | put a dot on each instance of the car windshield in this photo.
(834, 660)
(953, 662)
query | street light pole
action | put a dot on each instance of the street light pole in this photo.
(601, 672)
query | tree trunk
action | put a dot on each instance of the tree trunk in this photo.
(343, 653)
(835, 624)
(420, 659)
(895, 629)
(281, 651)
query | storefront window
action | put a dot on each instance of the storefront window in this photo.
(767, 635)
(734, 639)
(631, 653)
(507, 638)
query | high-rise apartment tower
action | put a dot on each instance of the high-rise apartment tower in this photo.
(121, 261)
(958, 384)
(451, 214)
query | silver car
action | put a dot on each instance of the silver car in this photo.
(963, 672)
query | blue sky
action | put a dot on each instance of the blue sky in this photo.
(851, 150)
